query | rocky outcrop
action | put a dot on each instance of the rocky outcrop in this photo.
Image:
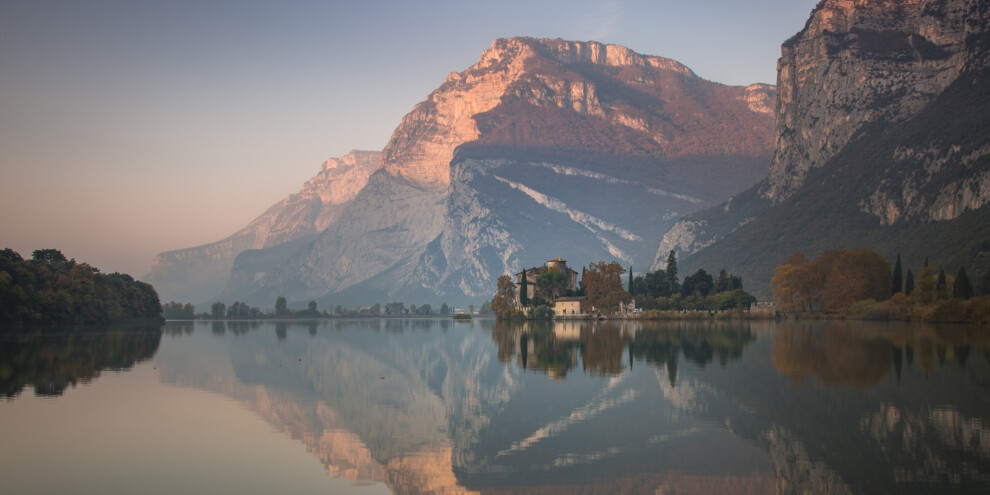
(493, 170)
(200, 273)
(880, 102)
(858, 63)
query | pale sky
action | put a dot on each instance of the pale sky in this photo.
(131, 127)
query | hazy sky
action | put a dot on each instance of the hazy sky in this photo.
(133, 127)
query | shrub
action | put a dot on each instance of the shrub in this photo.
(950, 311)
(541, 313)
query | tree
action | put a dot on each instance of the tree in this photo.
(445, 309)
(178, 311)
(505, 296)
(700, 282)
(281, 309)
(9, 256)
(523, 290)
(896, 279)
(311, 306)
(630, 288)
(218, 310)
(832, 282)
(909, 283)
(986, 284)
(49, 256)
(722, 282)
(924, 290)
(941, 286)
(550, 285)
(672, 272)
(962, 288)
(602, 283)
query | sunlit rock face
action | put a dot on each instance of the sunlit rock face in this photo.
(881, 103)
(857, 63)
(199, 273)
(542, 148)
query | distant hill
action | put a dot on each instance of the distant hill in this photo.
(200, 273)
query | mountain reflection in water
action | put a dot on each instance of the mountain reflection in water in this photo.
(437, 406)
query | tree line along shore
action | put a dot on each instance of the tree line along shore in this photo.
(841, 284)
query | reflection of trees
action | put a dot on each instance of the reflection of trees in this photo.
(553, 347)
(602, 347)
(700, 343)
(537, 346)
(833, 354)
(52, 363)
(842, 353)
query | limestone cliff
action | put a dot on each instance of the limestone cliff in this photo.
(199, 273)
(881, 123)
(859, 62)
(492, 171)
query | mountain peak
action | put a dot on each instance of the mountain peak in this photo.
(576, 52)
(654, 99)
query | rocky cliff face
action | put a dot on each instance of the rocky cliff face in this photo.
(200, 273)
(874, 94)
(857, 63)
(493, 171)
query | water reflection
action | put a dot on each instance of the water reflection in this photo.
(609, 348)
(50, 363)
(861, 355)
(436, 406)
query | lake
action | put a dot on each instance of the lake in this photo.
(436, 406)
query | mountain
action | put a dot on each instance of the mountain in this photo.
(543, 148)
(200, 273)
(881, 140)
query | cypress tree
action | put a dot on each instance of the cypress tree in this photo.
(986, 284)
(909, 283)
(630, 280)
(672, 272)
(524, 291)
(896, 282)
(941, 288)
(962, 288)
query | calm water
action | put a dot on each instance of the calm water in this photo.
(434, 406)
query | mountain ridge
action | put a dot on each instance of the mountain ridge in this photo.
(539, 121)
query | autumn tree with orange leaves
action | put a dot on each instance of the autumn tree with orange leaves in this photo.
(603, 287)
(832, 282)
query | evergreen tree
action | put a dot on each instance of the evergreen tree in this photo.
(909, 283)
(986, 284)
(962, 288)
(896, 282)
(631, 281)
(722, 282)
(524, 291)
(941, 288)
(672, 272)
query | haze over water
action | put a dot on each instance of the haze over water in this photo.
(427, 406)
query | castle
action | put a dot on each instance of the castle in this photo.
(557, 264)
